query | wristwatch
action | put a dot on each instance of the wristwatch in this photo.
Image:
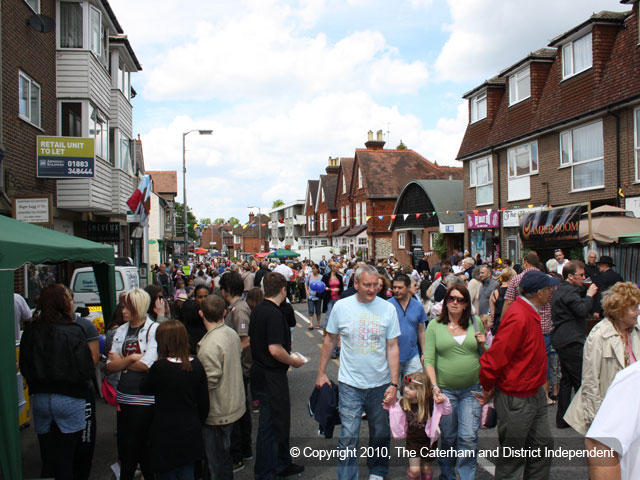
(393, 385)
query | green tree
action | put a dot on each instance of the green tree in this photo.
(219, 221)
(440, 245)
(191, 221)
(233, 221)
(402, 146)
(206, 221)
(277, 203)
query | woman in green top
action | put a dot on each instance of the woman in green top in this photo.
(452, 364)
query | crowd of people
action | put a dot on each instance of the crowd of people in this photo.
(192, 355)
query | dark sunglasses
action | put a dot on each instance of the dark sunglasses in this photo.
(459, 300)
(408, 379)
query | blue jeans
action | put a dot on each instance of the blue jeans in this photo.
(329, 308)
(186, 472)
(411, 366)
(459, 431)
(547, 347)
(352, 402)
(217, 444)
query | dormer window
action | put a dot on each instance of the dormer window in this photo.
(479, 107)
(519, 86)
(576, 56)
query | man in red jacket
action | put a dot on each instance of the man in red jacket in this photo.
(515, 368)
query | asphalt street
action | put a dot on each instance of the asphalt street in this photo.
(304, 431)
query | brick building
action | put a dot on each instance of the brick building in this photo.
(162, 225)
(217, 237)
(253, 236)
(559, 127)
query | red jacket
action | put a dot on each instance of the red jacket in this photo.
(516, 363)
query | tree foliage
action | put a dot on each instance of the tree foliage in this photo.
(277, 203)
(440, 245)
(191, 221)
(233, 221)
(219, 221)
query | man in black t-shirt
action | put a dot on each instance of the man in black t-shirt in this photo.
(271, 353)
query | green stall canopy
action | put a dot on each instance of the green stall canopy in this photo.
(22, 243)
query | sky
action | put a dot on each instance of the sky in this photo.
(285, 85)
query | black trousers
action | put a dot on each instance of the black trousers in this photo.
(570, 357)
(87, 443)
(134, 424)
(57, 451)
(241, 434)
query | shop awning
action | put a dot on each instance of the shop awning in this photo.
(608, 223)
(22, 243)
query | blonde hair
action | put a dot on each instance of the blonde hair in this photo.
(619, 299)
(137, 302)
(424, 395)
(507, 274)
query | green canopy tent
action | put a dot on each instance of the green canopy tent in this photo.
(283, 253)
(22, 243)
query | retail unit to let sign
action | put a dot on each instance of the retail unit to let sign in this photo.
(65, 157)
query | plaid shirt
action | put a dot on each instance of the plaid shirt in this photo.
(545, 311)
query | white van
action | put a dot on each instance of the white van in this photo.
(85, 289)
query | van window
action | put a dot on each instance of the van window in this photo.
(85, 282)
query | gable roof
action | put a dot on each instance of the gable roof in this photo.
(386, 172)
(165, 181)
(346, 172)
(256, 229)
(312, 192)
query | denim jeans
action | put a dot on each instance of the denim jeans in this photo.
(329, 308)
(411, 366)
(351, 403)
(459, 431)
(217, 445)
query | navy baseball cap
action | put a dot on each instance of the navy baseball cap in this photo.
(536, 280)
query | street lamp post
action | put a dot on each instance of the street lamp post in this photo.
(259, 229)
(184, 186)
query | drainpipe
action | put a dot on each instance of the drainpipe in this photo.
(500, 228)
(618, 198)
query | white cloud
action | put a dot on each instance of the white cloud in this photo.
(488, 36)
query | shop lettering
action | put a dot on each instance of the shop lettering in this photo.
(567, 227)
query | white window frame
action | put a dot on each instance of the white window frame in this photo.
(568, 55)
(416, 239)
(476, 113)
(85, 27)
(514, 93)
(28, 115)
(96, 44)
(322, 194)
(473, 166)
(359, 178)
(33, 5)
(401, 240)
(636, 139)
(364, 212)
(342, 216)
(326, 221)
(358, 217)
(568, 134)
(532, 148)
(237, 239)
(432, 239)
(344, 185)
(348, 215)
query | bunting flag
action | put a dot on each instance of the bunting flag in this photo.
(488, 211)
(236, 225)
(281, 220)
(263, 224)
(245, 226)
(253, 224)
(334, 220)
(140, 201)
(393, 217)
(475, 212)
(418, 215)
(404, 217)
(368, 218)
(380, 217)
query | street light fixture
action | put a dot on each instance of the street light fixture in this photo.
(259, 228)
(184, 186)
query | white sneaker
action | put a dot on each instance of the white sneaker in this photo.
(375, 477)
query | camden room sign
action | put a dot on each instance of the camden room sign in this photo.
(551, 227)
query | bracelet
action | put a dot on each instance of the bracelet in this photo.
(393, 385)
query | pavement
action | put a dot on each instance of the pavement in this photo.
(304, 430)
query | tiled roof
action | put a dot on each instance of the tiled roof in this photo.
(545, 54)
(312, 187)
(495, 81)
(603, 16)
(139, 154)
(386, 172)
(340, 231)
(254, 231)
(590, 92)
(356, 231)
(329, 185)
(165, 181)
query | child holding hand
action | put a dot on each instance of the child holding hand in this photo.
(423, 411)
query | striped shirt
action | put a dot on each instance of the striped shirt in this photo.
(545, 310)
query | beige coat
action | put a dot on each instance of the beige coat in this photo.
(219, 352)
(603, 358)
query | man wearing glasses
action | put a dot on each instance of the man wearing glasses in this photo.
(569, 311)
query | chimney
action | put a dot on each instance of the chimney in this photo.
(251, 216)
(334, 166)
(372, 144)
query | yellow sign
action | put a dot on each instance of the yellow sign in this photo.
(65, 157)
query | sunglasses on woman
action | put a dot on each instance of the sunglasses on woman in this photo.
(458, 300)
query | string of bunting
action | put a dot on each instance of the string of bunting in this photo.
(394, 216)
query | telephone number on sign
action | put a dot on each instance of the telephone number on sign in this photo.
(78, 163)
(80, 171)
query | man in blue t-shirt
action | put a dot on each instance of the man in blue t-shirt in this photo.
(412, 321)
(368, 376)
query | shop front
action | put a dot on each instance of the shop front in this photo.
(548, 229)
(511, 232)
(484, 237)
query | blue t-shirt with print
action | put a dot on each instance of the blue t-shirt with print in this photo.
(364, 329)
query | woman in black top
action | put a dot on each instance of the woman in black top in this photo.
(56, 362)
(179, 384)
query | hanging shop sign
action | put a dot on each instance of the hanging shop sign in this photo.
(65, 157)
(551, 227)
(486, 219)
(511, 218)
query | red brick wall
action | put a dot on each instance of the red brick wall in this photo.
(24, 49)
(252, 244)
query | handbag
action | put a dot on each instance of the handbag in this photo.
(489, 419)
(108, 392)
